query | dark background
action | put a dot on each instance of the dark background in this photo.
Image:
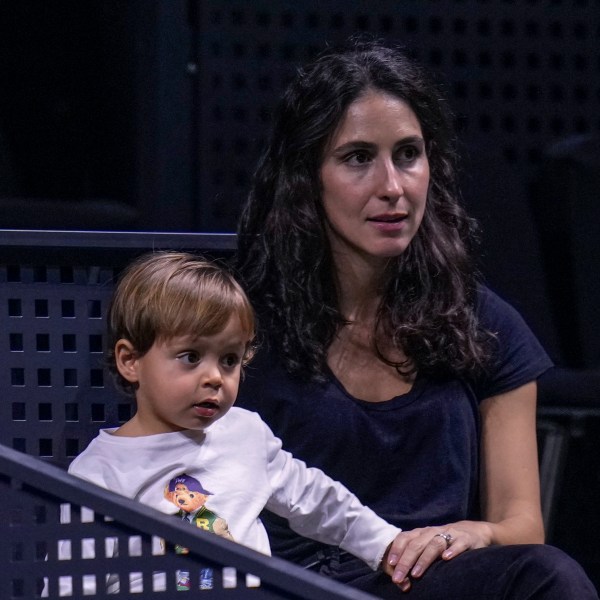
(149, 115)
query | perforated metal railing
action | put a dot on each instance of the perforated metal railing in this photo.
(34, 560)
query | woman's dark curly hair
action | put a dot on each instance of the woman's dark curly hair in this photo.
(284, 256)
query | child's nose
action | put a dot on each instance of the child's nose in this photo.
(212, 376)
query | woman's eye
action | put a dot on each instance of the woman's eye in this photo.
(358, 157)
(231, 360)
(408, 153)
(189, 358)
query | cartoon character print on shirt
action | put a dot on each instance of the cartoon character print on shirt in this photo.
(188, 495)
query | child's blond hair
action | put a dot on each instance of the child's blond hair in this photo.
(167, 294)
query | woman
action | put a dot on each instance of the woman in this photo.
(384, 362)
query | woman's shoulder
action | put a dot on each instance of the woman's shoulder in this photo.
(489, 305)
(499, 316)
(518, 356)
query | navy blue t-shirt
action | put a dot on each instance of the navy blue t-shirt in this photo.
(414, 459)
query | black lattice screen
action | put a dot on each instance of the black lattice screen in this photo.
(519, 74)
(54, 294)
(53, 317)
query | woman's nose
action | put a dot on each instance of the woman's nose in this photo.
(389, 181)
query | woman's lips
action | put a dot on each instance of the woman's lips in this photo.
(388, 223)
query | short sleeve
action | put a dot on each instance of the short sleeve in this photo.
(518, 356)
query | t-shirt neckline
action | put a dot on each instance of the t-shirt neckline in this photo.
(393, 403)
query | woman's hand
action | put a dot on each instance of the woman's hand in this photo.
(412, 552)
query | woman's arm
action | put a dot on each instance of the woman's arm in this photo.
(510, 483)
(510, 490)
(509, 474)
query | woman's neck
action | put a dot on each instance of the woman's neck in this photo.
(355, 354)
(359, 289)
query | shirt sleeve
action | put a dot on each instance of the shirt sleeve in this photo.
(518, 356)
(320, 508)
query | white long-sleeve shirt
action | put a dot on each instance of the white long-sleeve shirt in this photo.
(241, 463)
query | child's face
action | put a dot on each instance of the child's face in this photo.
(188, 382)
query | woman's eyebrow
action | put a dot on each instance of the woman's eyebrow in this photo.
(353, 145)
(364, 145)
(412, 139)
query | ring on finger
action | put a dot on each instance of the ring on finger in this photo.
(447, 538)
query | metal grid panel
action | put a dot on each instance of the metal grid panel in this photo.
(519, 75)
(54, 294)
(52, 326)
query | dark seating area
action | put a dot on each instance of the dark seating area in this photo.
(57, 394)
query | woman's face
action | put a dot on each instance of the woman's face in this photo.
(374, 178)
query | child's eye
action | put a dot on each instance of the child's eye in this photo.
(189, 358)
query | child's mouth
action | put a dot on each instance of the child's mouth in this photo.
(206, 409)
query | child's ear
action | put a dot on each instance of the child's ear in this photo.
(126, 358)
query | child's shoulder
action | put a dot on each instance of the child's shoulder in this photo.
(241, 416)
(246, 426)
(95, 449)
(240, 421)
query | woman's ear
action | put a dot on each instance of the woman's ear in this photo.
(126, 359)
